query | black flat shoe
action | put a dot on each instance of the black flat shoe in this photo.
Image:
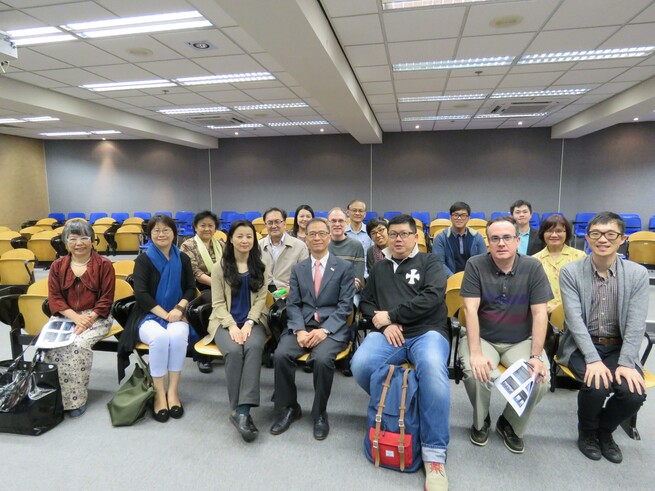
(161, 416)
(289, 415)
(240, 422)
(588, 444)
(321, 427)
(205, 366)
(176, 412)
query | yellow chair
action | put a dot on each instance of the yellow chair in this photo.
(17, 267)
(438, 225)
(109, 221)
(289, 223)
(220, 235)
(101, 243)
(133, 221)
(641, 248)
(27, 232)
(123, 269)
(419, 224)
(122, 290)
(4, 229)
(422, 244)
(478, 224)
(46, 223)
(128, 238)
(342, 354)
(5, 240)
(454, 302)
(259, 224)
(40, 245)
(30, 307)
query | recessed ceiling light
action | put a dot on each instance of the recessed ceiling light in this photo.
(38, 35)
(436, 118)
(255, 107)
(410, 4)
(438, 98)
(194, 110)
(141, 52)
(297, 123)
(322, 130)
(635, 119)
(526, 115)
(54, 38)
(453, 64)
(106, 132)
(201, 45)
(142, 24)
(520, 123)
(134, 85)
(11, 120)
(232, 126)
(226, 79)
(40, 119)
(539, 93)
(236, 133)
(589, 55)
(418, 126)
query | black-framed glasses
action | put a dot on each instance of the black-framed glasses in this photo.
(378, 232)
(402, 235)
(495, 239)
(458, 216)
(610, 235)
(272, 223)
(321, 234)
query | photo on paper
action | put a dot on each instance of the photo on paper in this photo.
(56, 333)
(515, 384)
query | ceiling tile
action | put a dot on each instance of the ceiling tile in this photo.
(636, 74)
(413, 25)
(222, 65)
(143, 101)
(483, 19)
(589, 13)
(373, 73)
(362, 29)
(339, 8)
(184, 99)
(381, 109)
(78, 53)
(382, 99)
(499, 45)
(529, 80)
(229, 97)
(31, 60)
(144, 7)
(73, 76)
(366, 55)
(589, 76)
(268, 62)
(177, 41)
(268, 95)
(66, 13)
(242, 39)
(647, 15)
(632, 35)
(371, 88)
(126, 72)
(121, 46)
(174, 69)
(286, 79)
(569, 40)
(432, 85)
(612, 88)
(473, 83)
(442, 49)
(34, 79)
(15, 19)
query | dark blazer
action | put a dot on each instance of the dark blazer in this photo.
(535, 244)
(335, 297)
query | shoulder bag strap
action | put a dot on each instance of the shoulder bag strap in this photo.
(378, 416)
(401, 421)
(145, 367)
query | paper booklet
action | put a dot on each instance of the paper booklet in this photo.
(56, 333)
(516, 384)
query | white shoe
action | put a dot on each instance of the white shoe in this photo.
(435, 477)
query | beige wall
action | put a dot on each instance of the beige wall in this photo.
(23, 186)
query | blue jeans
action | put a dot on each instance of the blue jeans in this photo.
(429, 354)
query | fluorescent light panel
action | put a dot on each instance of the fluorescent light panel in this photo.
(255, 107)
(11, 121)
(81, 133)
(495, 116)
(235, 126)
(134, 85)
(409, 119)
(453, 64)
(297, 123)
(194, 110)
(54, 38)
(226, 79)
(439, 98)
(35, 119)
(411, 4)
(538, 93)
(589, 55)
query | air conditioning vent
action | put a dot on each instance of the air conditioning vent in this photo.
(217, 120)
(527, 107)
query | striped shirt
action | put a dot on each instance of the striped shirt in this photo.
(604, 315)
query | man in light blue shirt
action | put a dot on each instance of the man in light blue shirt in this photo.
(530, 242)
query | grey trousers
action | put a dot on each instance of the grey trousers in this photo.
(480, 392)
(243, 365)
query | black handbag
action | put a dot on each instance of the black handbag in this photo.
(30, 396)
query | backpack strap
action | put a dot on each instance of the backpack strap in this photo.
(401, 421)
(378, 417)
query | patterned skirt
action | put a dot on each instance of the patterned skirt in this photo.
(74, 362)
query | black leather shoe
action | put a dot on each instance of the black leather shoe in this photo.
(161, 416)
(481, 437)
(512, 441)
(205, 366)
(176, 412)
(321, 427)
(289, 415)
(609, 448)
(251, 425)
(240, 422)
(588, 444)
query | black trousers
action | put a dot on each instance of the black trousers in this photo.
(604, 409)
(321, 359)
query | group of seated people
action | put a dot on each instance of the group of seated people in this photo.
(327, 266)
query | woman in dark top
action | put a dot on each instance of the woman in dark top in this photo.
(304, 214)
(238, 321)
(163, 285)
(81, 288)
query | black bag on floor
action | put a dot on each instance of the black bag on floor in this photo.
(30, 396)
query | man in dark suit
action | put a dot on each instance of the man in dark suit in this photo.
(530, 242)
(320, 299)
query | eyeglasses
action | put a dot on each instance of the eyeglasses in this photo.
(554, 231)
(357, 210)
(273, 223)
(335, 221)
(459, 216)
(379, 232)
(610, 235)
(495, 239)
(75, 240)
(163, 231)
(402, 235)
(313, 235)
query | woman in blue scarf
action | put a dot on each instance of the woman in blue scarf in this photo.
(163, 285)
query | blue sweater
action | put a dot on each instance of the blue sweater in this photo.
(443, 248)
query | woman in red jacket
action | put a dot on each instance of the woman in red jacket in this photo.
(81, 288)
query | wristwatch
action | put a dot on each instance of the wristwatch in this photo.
(251, 322)
(326, 331)
(538, 357)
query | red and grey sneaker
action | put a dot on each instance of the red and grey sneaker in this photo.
(435, 477)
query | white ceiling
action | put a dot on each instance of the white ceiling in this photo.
(334, 55)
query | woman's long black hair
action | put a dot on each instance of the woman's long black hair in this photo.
(295, 217)
(255, 265)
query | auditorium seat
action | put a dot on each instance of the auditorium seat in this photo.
(96, 215)
(632, 222)
(76, 214)
(121, 216)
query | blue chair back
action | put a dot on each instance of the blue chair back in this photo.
(76, 214)
(321, 214)
(497, 214)
(550, 213)
(424, 216)
(388, 215)
(478, 214)
(60, 217)
(96, 215)
(146, 215)
(651, 224)
(370, 215)
(632, 222)
(535, 220)
(120, 216)
(251, 215)
(167, 213)
(580, 223)
(184, 217)
(443, 214)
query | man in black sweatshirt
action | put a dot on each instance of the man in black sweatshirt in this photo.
(404, 298)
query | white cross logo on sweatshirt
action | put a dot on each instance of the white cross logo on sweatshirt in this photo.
(413, 276)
